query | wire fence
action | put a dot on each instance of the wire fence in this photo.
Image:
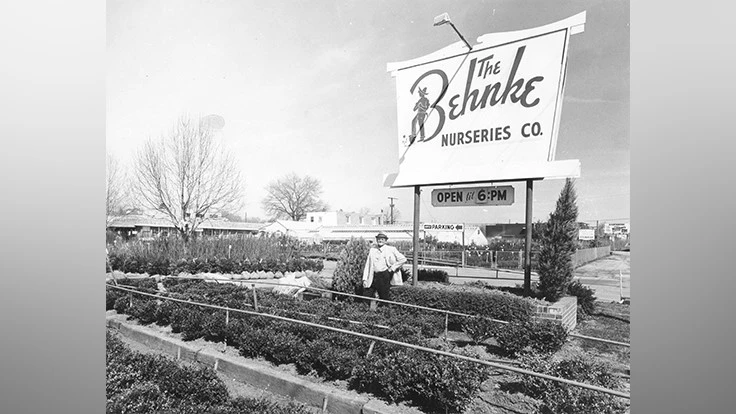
(256, 312)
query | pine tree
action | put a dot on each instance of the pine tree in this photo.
(557, 245)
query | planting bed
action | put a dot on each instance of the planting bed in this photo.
(396, 375)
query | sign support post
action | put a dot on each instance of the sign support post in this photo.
(415, 237)
(528, 243)
(462, 262)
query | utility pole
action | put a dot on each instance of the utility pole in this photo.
(392, 208)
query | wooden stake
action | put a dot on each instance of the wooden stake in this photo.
(255, 297)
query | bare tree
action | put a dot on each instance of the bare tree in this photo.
(293, 196)
(115, 186)
(187, 174)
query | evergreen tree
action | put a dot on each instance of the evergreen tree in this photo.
(557, 245)
(348, 275)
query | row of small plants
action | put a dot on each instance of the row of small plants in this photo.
(237, 247)
(337, 356)
(427, 380)
(213, 254)
(164, 266)
(137, 383)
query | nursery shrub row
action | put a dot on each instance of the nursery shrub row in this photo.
(429, 324)
(491, 304)
(239, 248)
(128, 263)
(329, 354)
(540, 336)
(139, 383)
(522, 333)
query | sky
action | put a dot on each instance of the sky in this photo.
(302, 87)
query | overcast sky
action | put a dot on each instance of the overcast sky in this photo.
(303, 87)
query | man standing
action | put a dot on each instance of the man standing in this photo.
(382, 268)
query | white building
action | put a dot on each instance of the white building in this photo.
(396, 232)
(343, 218)
(301, 230)
(468, 235)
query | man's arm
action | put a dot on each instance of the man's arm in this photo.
(400, 260)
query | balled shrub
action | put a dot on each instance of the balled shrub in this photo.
(541, 336)
(254, 342)
(586, 298)
(112, 295)
(178, 317)
(328, 359)
(547, 336)
(144, 311)
(513, 337)
(214, 327)
(122, 304)
(193, 326)
(163, 312)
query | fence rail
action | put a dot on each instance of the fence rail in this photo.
(389, 302)
(380, 339)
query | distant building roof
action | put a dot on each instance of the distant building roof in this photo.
(137, 220)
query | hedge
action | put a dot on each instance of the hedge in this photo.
(127, 263)
(491, 304)
(140, 383)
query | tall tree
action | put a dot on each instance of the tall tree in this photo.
(186, 174)
(558, 242)
(115, 186)
(293, 197)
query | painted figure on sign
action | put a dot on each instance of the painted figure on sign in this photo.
(421, 108)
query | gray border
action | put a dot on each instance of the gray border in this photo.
(682, 148)
(52, 111)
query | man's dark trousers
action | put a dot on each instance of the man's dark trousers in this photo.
(381, 284)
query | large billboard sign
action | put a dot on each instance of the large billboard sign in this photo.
(490, 114)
